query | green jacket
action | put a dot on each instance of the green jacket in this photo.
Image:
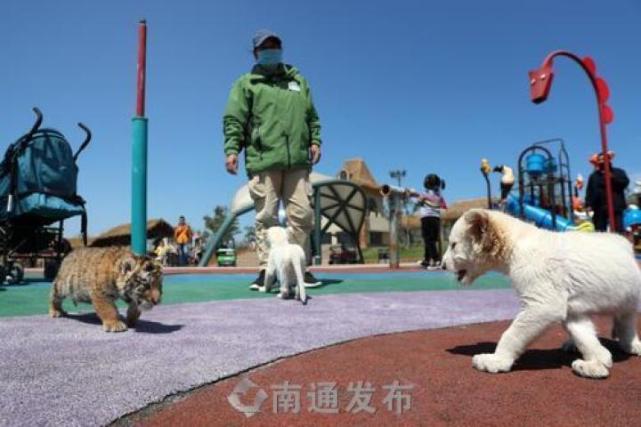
(271, 115)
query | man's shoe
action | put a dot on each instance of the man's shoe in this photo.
(259, 282)
(311, 281)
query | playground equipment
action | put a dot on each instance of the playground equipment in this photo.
(341, 254)
(632, 224)
(394, 199)
(139, 154)
(393, 206)
(38, 181)
(540, 174)
(632, 216)
(545, 182)
(636, 194)
(543, 218)
(540, 85)
(486, 169)
(335, 202)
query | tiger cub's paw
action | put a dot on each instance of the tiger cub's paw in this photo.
(131, 322)
(114, 326)
(132, 318)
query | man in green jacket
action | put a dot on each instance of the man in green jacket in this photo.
(270, 115)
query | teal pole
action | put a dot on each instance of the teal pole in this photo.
(139, 153)
(139, 187)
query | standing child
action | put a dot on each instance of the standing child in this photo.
(431, 202)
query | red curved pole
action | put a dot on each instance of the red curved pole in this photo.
(541, 81)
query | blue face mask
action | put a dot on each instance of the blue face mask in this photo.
(269, 56)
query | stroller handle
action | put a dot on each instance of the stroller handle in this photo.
(38, 122)
(85, 142)
(22, 142)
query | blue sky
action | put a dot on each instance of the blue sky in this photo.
(417, 85)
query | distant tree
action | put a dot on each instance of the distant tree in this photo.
(250, 234)
(213, 223)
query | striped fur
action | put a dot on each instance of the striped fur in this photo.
(102, 275)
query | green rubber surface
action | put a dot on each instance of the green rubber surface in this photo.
(32, 297)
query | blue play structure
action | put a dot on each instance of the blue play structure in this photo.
(540, 217)
(544, 195)
(631, 218)
(545, 187)
(632, 224)
(545, 191)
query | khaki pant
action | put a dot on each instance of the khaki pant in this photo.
(294, 189)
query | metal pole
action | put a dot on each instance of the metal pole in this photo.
(486, 169)
(318, 257)
(394, 254)
(139, 154)
(489, 191)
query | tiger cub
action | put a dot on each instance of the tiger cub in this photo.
(102, 275)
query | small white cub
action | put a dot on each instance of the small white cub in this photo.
(286, 263)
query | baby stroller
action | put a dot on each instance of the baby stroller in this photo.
(37, 193)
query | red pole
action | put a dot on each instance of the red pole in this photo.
(607, 172)
(142, 65)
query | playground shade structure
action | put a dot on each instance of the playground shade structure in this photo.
(335, 201)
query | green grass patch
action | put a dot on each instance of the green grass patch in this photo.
(410, 254)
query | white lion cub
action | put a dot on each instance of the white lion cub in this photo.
(559, 277)
(286, 263)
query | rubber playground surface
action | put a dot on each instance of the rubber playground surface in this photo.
(186, 356)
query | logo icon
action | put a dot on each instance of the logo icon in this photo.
(241, 390)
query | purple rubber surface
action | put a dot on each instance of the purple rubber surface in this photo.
(68, 372)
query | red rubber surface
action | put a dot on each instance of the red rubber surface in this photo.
(541, 389)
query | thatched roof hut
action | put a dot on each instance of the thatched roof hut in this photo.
(76, 242)
(121, 234)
